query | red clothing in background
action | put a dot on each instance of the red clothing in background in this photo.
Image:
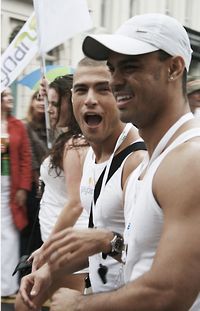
(20, 168)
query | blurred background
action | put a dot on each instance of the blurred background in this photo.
(107, 16)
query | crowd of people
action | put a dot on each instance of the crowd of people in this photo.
(119, 213)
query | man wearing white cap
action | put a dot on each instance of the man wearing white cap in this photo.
(149, 57)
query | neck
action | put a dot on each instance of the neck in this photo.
(39, 118)
(152, 135)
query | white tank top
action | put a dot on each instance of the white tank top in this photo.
(91, 173)
(144, 217)
(53, 200)
(108, 213)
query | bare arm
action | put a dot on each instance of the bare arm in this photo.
(173, 282)
(73, 166)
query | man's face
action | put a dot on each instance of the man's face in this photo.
(194, 100)
(139, 86)
(94, 104)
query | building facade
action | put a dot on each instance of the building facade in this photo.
(107, 16)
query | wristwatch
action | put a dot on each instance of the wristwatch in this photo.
(117, 245)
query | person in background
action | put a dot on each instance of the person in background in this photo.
(57, 108)
(193, 93)
(16, 180)
(56, 170)
(36, 129)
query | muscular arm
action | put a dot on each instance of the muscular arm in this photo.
(173, 282)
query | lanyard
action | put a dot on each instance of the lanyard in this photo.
(166, 138)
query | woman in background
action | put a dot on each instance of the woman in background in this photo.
(36, 128)
(15, 183)
(60, 171)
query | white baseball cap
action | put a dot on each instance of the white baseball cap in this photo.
(142, 34)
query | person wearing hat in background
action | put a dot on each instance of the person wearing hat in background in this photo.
(148, 58)
(193, 93)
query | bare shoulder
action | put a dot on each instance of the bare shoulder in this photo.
(76, 142)
(178, 177)
(131, 164)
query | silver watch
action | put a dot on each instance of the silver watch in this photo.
(117, 244)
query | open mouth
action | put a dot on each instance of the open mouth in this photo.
(92, 119)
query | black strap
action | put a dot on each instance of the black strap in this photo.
(116, 163)
(119, 158)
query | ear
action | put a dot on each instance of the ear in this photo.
(176, 67)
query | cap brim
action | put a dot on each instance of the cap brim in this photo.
(99, 46)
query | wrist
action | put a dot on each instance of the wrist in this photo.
(106, 246)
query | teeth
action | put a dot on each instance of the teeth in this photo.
(124, 97)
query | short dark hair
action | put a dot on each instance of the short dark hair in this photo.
(86, 61)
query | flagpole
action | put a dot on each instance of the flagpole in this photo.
(37, 5)
(47, 121)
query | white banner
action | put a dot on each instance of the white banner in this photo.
(19, 53)
(60, 20)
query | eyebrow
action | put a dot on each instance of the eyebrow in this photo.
(78, 85)
(99, 83)
(131, 60)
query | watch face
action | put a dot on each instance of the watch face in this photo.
(118, 244)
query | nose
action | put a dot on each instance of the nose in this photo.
(91, 98)
(50, 108)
